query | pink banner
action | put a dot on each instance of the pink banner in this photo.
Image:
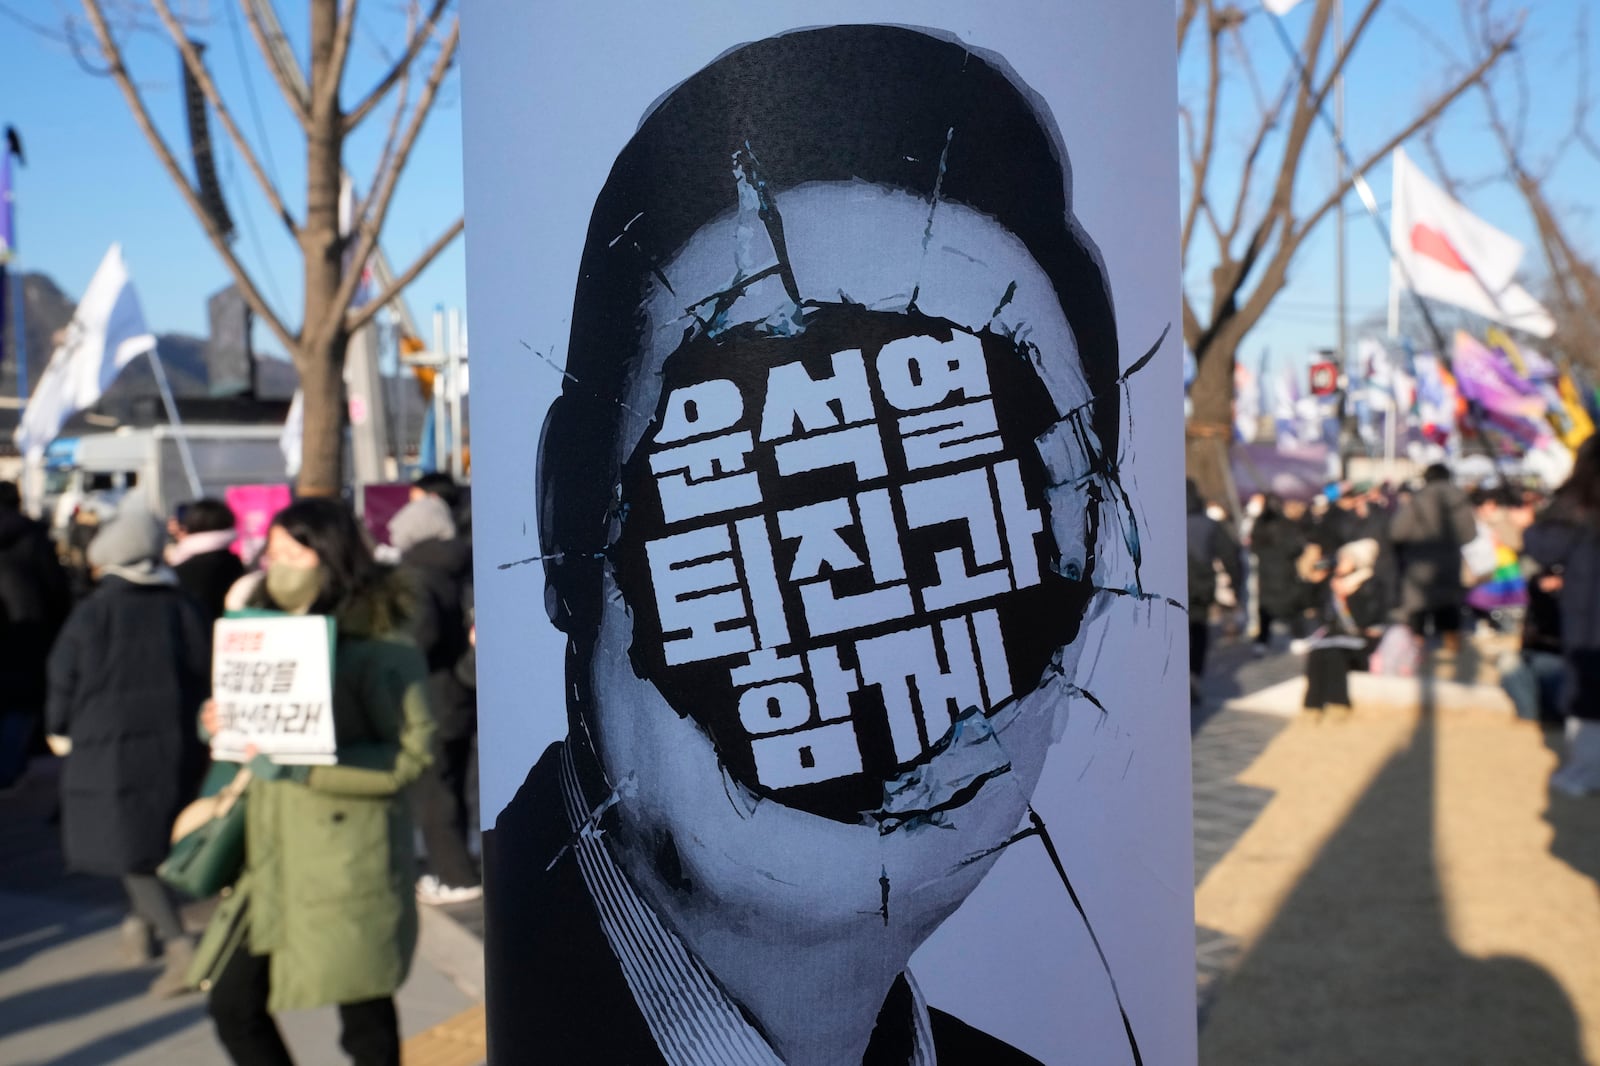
(381, 503)
(253, 508)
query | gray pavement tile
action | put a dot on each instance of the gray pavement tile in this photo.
(67, 1000)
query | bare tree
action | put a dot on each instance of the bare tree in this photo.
(333, 259)
(1255, 239)
(1572, 285)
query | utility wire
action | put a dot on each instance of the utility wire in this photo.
(34, 26)
(250, 95)
(231, 176)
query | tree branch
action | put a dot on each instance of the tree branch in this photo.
(1269, 122)
(1186, 15)
(293, 94)
(1432, 112)
(390, 139)
(1191, 324)
(119, 71)
(1200, 164)
(384, 194)
(364, 108)
(1340, 60)
(359, 317)
(202, 77)
(345, 29)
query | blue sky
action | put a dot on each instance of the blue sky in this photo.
(1399, 68)
(92, 179)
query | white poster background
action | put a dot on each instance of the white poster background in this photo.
(552, 93)
(272, 680)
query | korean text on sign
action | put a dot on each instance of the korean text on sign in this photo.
(272, 680)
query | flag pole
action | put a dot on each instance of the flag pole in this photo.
(19, 338)
(1359, 180)
(1370, 202)
(172, 416)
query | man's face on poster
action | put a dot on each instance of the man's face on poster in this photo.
(838, 609)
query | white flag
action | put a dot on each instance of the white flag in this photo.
(1279, 7)
(1450, 254)
(107, 332)
(290, 442)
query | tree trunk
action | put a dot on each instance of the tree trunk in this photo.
(322, 435)
(320, 359)
(1209, 436)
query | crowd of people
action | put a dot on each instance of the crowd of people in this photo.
(1373, 577)
(117, 682)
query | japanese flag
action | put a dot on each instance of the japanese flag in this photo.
(1447, 253)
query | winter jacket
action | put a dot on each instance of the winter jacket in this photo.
(1277, 543)
(35, 597)
(26, 623)
(1209, 543)
(1566, 541)
(1363, 610)
(330, 873)
(127, 677)
(1428, 533)
(207, 577)
(440, 572)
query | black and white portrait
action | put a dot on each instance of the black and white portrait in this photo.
(832, 514)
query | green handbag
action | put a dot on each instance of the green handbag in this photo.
(208, 842)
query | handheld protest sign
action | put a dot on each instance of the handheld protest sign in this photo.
(827, 451)
(272, 680)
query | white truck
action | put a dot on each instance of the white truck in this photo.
(148, 464)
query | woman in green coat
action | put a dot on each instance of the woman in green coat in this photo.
(324, 913)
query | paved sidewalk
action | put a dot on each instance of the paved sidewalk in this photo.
(1409, 892)
(66, 999)
(1396, 888)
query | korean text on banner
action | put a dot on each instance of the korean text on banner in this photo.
(272, 677)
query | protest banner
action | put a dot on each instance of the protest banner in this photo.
(272, 680)
(828, 481)
(253, 507)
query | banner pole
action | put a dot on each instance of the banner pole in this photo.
(172, 417)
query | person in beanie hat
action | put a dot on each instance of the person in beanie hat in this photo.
(127, 676)
(438, 565)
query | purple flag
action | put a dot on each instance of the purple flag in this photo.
(7, 235)
(1509, 403)
(7, 232)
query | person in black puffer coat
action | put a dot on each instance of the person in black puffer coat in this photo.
(1277, 542)
(203, 558)
(34, 598)
(439, 566)
(1210, 544)
(1565, 540)
(127, 679)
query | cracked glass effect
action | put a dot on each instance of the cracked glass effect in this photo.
(837, 551)
(815, 572)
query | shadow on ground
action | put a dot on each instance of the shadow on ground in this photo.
(1358, 967)
(125, 1042)
(1576, 842)
(47, 1004)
